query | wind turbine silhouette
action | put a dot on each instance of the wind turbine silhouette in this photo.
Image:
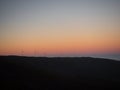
(22, 52)
(35, 52)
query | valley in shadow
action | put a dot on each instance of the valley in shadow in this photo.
(58, 73)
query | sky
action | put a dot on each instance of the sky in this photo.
(60, 28)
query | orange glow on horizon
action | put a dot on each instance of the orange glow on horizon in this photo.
(62, 47)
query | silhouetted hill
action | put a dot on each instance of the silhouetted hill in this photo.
(43, 73)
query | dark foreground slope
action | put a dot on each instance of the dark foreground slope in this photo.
(35, 73)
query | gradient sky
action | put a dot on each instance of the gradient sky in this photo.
(60, 28)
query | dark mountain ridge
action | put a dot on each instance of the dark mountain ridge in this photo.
(56, 73)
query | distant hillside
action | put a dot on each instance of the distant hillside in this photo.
(43, 73)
